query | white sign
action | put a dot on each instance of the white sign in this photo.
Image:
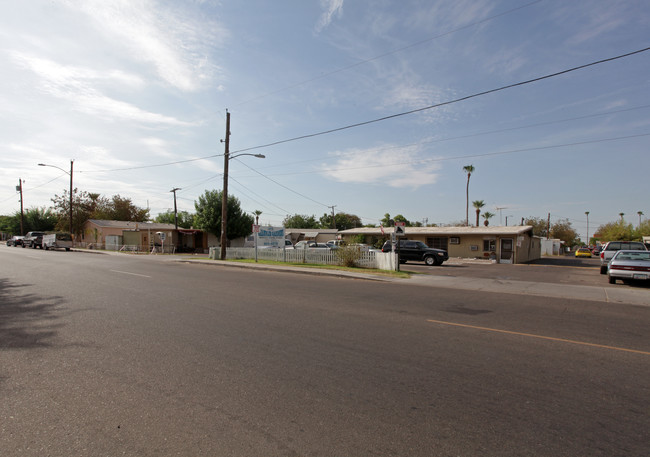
(399, 228)
(162, 236)
(271, 236)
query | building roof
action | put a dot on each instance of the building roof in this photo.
(445, 231)
(130, 225)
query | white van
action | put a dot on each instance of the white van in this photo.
(57, 240)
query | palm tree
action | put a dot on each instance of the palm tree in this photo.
(487, 215)
(469, 169)
(621, 214)
(640, 213)
(478, 204)
(257, 213)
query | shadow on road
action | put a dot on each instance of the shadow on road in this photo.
(26, 321)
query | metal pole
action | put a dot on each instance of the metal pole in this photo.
(224, 194)
(71, 231)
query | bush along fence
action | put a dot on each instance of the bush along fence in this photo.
(346, 256)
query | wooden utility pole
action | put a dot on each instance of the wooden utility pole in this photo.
(224, 194)
(19, 188)
(333, 216)
(548, 227)
(175, 210)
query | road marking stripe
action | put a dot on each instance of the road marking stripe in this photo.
(127, 273)
(509, 332)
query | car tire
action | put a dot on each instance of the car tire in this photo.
(603, 269)
(612, 280)
(430, 260)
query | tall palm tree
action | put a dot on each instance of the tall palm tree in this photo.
(257, 213)
(640, 213)
(621, 214)
(478, 204)
(487, 215)
(469, 169)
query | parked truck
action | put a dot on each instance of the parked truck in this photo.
(57, 241)
(33, 240)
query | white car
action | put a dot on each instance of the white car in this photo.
(629, 265)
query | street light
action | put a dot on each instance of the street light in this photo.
(54, 166)
(587, 214)
(224, 195)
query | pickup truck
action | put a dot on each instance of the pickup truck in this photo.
(613, 247)
(418, 251)
(33, 240)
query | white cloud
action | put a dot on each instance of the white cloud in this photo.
(400, 167)
(174, 44)
(332, 8)
(75, 85)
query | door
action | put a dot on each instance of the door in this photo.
(507, 250)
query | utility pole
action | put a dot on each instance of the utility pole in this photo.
(224, 193)
(333, 216)
(175, 210)
(19, 188)
(587, 214)
(548, 227)
(500, 210)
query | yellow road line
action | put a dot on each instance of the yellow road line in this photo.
(530, 335)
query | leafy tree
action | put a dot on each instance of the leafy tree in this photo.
(301, 221)
(563, 230)
(469, 169)
(41, 219)
(185, 219)
(10, 224)
(540, 226)
(208, 215)
(642, 230)
(615, 231)
(386, 221)
(343, 221)
(123, 209)
(478, 204)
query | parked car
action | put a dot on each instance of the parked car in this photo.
(417, 251)
(57, 241)
(15, 241)
(614, 246)
(629, 265)
(33, 240)
(304, 243)
(583, 252)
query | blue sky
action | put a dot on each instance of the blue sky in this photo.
(129, 88)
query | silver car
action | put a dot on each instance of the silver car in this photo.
(629, 265)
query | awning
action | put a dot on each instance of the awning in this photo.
(189, 231)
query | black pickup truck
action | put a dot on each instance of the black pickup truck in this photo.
(418, 251)
(33, 240)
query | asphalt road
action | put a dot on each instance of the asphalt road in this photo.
(123, 355)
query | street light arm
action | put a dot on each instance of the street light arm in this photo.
(259, 156)
(54, 166)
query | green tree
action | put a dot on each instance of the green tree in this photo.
(563, 230)
(487, 216)
(469, 169)
(301, 221)
(123, 209)
(615, 231)
(10, 224)
(642, 230)
(41, 219)
(386, 221)
(478, 204)
(185, 219)
(208, 215)
(540, 226)
(343, 221)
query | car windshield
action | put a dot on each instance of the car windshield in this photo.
(633, 256)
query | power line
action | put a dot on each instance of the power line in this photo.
(392, 116)
(457, 100)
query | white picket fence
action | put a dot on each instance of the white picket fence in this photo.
(366, 259)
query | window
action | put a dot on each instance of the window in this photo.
(454, 240)
(489, 245)
(438, 242)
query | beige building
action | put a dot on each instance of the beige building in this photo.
(514, 244)
(141, 236)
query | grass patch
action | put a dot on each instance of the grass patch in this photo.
(372, 271)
